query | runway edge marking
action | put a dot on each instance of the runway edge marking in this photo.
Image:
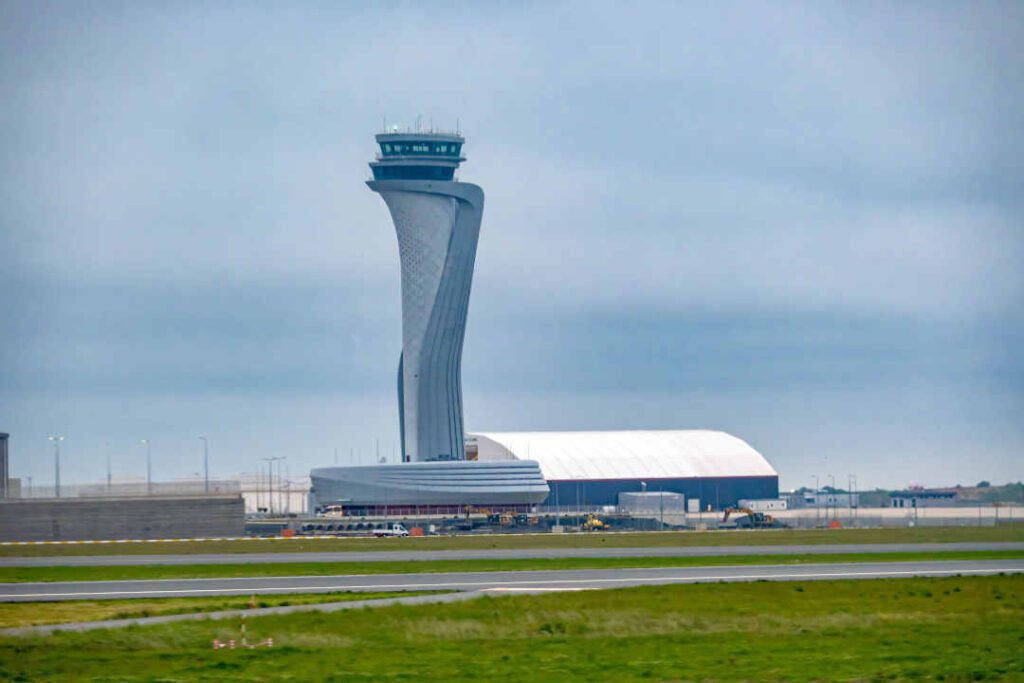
(537, 582)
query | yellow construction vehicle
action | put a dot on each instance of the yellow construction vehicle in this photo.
(749, 518)
(504, 518)
(334, 511)
(594, 524)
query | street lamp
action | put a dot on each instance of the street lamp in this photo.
(849, 493)
(56, 464)
(817, 500)
(832, 496)
(149, 467)
(206, 465)
(270, 480)
(280, 484)
(107, 451)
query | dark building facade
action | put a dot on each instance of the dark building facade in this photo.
(714, 493)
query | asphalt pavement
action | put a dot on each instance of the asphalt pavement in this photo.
(497, 554)
(500, 581)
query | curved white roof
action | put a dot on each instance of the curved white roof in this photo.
(676, 454)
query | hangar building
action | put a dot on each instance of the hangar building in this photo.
(594, 467)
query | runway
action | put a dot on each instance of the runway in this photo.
(502, 581)
(498, 554)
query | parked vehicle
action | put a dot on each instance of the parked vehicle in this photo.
(501, 519)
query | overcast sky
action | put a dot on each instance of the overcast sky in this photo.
(800, 223)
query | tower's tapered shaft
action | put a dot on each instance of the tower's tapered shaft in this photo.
(437, 221)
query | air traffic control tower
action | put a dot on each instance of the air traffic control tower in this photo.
(438, 222)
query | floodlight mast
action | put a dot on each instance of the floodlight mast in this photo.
(149, 466)
(270, 479)
(206, 465)
(56, 464)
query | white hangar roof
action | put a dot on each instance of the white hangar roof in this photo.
(676, 454)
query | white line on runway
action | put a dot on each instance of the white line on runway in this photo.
(540, 583)
(568, 589)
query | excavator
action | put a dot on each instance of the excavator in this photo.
(751, 519)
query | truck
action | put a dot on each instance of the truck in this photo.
(392, 530)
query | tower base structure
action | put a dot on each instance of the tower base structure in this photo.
(424, 485)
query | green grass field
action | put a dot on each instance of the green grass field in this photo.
(41, 613)
(950, 629)
(1004, 533)
(209, 571)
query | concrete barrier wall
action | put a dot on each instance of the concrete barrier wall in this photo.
(84, 519)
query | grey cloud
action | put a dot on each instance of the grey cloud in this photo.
(692, 213)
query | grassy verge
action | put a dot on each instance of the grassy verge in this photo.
(40, 613)
(209, 571)
(1002, 533)
(955, 628)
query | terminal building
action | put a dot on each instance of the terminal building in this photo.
(528, 470)
(592, 468)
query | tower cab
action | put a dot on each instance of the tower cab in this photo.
(417, 155)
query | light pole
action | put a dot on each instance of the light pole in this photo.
(849, 494)
(661, 504)
(206, 465)
(149, 466)
(56, 464)
(288, 496)
(817, 501)
(270, 484)
(280, 485)
(558, 509)
(108, 466)
(832, 495)
(854, 490)
(270, 481)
